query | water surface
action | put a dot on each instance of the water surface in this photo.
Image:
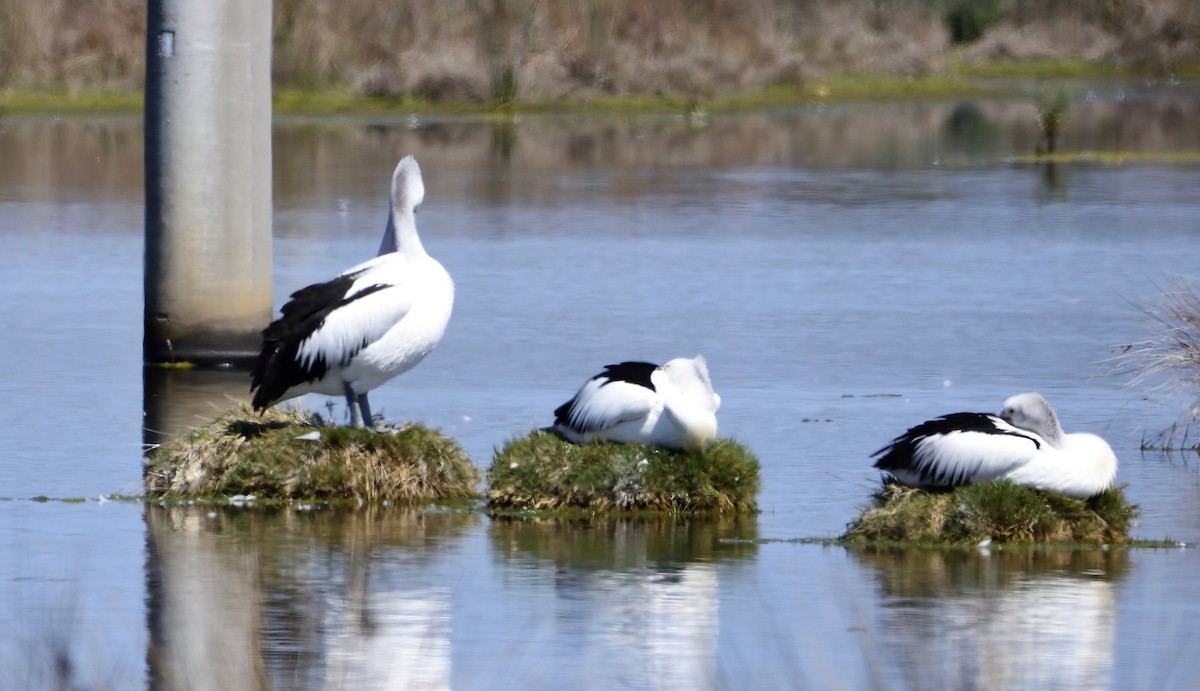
(846, 271)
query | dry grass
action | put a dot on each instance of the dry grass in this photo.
(541, 471)
(72, 44)
(500, 50)
(998, 511)
(1168, 364)
(1157, 35)
(248, 454)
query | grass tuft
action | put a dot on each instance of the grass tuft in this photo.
(998, 511)
(248, 454)
(1167, 365)
(541, 471)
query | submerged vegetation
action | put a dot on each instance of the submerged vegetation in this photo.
(541, 471)
(999, 511)
(286, 454)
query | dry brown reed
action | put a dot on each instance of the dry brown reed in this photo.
(1167, 365)
(496, 50)
(73, 44)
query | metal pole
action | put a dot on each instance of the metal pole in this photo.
(208, 180)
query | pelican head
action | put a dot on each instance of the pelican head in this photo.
(408, 189)
(690, 376)
(1031, 412)
(690, 402)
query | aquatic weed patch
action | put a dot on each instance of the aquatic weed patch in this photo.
(999, 511)
(284, 454)
(541, 471)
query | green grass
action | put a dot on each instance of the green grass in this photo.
(244, 453)
(998, 511)
(1064, 69)
(61, 102)
(335, 100)
(540, 471)
(866, 87)
(1112, 157)
(342, 101)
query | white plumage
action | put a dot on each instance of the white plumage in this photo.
(372, 322)
(1024, 444)
(673, 406)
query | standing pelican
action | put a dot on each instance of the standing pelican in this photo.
(374, 321)
(673, 406)
(1024, 444)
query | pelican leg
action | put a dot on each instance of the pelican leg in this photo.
(352, 401)
(364, 407)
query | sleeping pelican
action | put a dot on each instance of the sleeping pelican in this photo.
(673, 406)
(1024, 444)
(374, 321)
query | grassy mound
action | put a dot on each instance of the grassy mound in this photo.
(1000, 511)
(542, 471)
(245, 453)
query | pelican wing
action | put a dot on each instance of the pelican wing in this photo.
(956, 449)
(362, 317)
(622, 392)
(278, 367)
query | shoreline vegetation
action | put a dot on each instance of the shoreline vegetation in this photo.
(508, 56)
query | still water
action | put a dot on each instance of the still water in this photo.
(846, 271)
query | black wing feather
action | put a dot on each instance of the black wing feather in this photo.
(277, 367)
(901, 453)
(633, 372)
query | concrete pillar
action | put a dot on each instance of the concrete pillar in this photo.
(208, 180)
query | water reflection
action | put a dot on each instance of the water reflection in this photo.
(321, 160)
(175, 400)
(641, 591)
(300, 599)
(846, 274)
(1002, 620)
(1053, 185)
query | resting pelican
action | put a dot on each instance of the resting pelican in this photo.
(1024, 444)
(673, 406)
(374, 321)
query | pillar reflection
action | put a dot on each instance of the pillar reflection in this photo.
(175, 400)
(301, 598)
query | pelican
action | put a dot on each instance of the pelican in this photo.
(376, 320)
(1023, 444)
(673, 406)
